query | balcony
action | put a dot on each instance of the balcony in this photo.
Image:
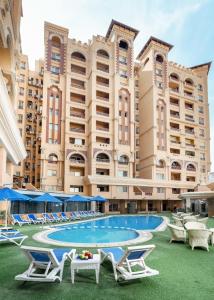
(102, 158)
(102, 140)
(77, 98)
(77, 159)
(78, 70)
(174, 90)
(102, 81)
(175, 151)
(190, 178)
(102, 96)
(189, 130)
(174, 127)
(102, 172)
(78, 56)
(189, 118)
(102, 126)
(77, 113)
(174, 114)
(102, 111)
(188, 94)
(189, 106)
(174, 102)
(78, 84)
(176, 176)
(74, 127)
(102, 67)
(103, 54)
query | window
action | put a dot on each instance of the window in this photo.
(76, 173)
(123, 73)
(160, 176)
(55, 56)
(56, 127)
(159, 85)
(51, 173)
(126, 114)
(190, 153)
(123, 45)
(200, 98)
(50, 126)
(201, 109)
(137, 130)
(113, 207)
(201, 132)
(21, 91)
(122, 189)
(22, 65)
(201, 121)
(200, 87)
(103, 188)
(202, 156)
(77, 141)
(21, 104)
(51, 111)
(122, 173)
(55, 70)
(160, 190)
(123, 60)
(158, 72)
(21, 77)
(20, 118)
(76, 188)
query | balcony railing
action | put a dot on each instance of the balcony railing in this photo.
(102, 128)
(77, 129)
(103, 160)
(189, 131)
(102, 113)
(79, 86)
(174, 90)
(77, 161)
(103, 83)
(77, 115)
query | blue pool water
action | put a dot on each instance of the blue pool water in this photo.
(108, 230)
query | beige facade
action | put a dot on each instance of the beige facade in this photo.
(12, 149)
(136, 133)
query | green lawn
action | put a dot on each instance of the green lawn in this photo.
(184, 274)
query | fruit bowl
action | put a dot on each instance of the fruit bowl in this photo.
(85, 255)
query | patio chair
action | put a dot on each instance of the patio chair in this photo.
(178, 221)
(194, 225)
(189, 219)
(35, 220)
(199, 238)
(203, 220)
(177, 233)
(64, 216)
(48, 218)
(11, 236)
(17, 219)
(56, 217)
(123, 261)
(51, 261)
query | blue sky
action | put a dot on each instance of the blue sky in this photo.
(188, 25)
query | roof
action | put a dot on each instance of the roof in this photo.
(114, 22)
(203, 65)
(152, 38)
(197, 195)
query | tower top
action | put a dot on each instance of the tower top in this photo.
(126, 27)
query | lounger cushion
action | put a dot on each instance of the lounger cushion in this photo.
(43, 257)
(117, 253)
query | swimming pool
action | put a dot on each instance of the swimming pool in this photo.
(106, 231)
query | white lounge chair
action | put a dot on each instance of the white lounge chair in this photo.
(195, 225)
(17, 219)
(178, 221)
(177, 233)
(11, 236)
(199, 238)
(123, 261)
(203, 220)
(50, 260)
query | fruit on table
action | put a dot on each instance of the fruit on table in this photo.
(86, 255)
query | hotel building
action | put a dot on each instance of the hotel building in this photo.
(97, 122)
(12, 149)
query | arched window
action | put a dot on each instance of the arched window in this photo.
(78, 56)
(160, 164)
(52, 158)
(123, 45)
(176, 166)
(159, 58)
(102, 53)
(174, 76)
(77, 158)
(189, 81)
(102, 157)
(56, 41)
(191, 167)
(123, 160)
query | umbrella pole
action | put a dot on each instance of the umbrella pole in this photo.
(6, 216)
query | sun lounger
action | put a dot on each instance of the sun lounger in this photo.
(51, 261)
(34, 219)
(11, 236)
(129, 264)
(17, 219)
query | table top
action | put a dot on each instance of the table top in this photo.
(94, 260)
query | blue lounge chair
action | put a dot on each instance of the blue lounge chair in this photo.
(50, 260)
(123, 261)
(17, 219)
(56, 217)
(11, 236)
(64, 216)
(34, 219)
(48, 218)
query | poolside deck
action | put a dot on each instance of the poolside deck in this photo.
(184, 274)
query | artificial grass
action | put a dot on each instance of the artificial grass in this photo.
(184, 274)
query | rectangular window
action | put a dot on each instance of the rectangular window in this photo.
(21, 104)
(103, 188)
(55, 70)
(51, 173)
(76, 141)
(122, 173)
(20, 118)
(122, 189)
(201, 121)
(21, 91)
(76, 188)
(202, 156)
(160, 176)
(160, 190)
(123, 73)
(55, 56)
(123, 60)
